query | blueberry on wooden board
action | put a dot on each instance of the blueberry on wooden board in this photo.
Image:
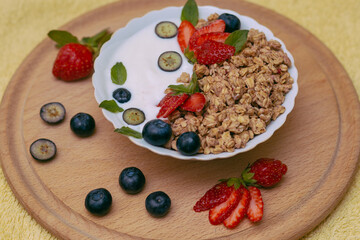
(52, 113)
(82, 124)
(158, 204)
(132, 180)
(43, 149)
(98, 201)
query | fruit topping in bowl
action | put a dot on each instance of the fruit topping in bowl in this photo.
(166, 29)
(133, 116)
(53, 112)
(169, 61)
(188, 143)
(122, 95)
(43, 149)
(157, 132)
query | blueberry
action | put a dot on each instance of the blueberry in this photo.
(132, 180)
(158, 204)
(53, 112)
(98, 201)
(157, 132)
(232, 23)
(122, 95)
(188, 143)
(43, 149)
(82, 124)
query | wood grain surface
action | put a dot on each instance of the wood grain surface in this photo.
(319, 143)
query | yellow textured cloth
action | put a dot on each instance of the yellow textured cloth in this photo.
(24, 23)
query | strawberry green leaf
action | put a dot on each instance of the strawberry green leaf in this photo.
(129, 132)
(118, 73)
(111, 106)
(234, 181)
(62, 37)
(237, 39)
(190, 55)
(190, 12)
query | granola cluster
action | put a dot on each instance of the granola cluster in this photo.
(244, 94)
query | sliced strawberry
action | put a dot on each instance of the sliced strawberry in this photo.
(240, 211)
(195, 103)
(268, 172)
(171, 104)
(166, 98)
(222, 211)
(185, 31)
(215, 36)
(215, 26)
(213, 197)
(211, 52)
(256, 205)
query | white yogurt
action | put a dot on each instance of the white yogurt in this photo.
(145, 80)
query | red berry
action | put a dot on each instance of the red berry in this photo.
(256, 205)
(268, 172)
(213, 197)
(74, 61)
(211, 52)
(240, 211)
(215, 36)
(185, 31)
(195, 103)
(215, 26)
(170, 104)
(222, 211)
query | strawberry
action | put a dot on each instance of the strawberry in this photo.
(256, 205)
(165, 99)
(171, 104)
(74, 61)
(185, 31)
(215, 26)
(267, 172)
(215, 36)
(222, 211)
(211, 52)
(195, 103)
(213, 197)
(240, 211)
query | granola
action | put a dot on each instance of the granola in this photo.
(243, 94)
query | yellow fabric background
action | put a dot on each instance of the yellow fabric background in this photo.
(24, 23)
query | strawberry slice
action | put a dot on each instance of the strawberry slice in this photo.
(256, 205)
(170, 104)
(165, 99)
(215, 36)
(195, 103)
(240, 211)
(211, 52)
(215, 26)
(185, 31)
(222, 211)
(213, 197)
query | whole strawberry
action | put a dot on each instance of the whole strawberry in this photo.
(75, 59)
(266, 172)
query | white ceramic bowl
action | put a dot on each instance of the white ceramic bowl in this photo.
(109, 55)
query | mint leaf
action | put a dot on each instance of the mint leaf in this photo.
(118, 73)
(190, 12)
(128, 132)
(190, 55)
(193, 87)
(237, 39)
(111, 106)
(62, 37)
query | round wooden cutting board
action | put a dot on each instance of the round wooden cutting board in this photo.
(319, 142)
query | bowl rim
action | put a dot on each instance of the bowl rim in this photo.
(157, 14)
